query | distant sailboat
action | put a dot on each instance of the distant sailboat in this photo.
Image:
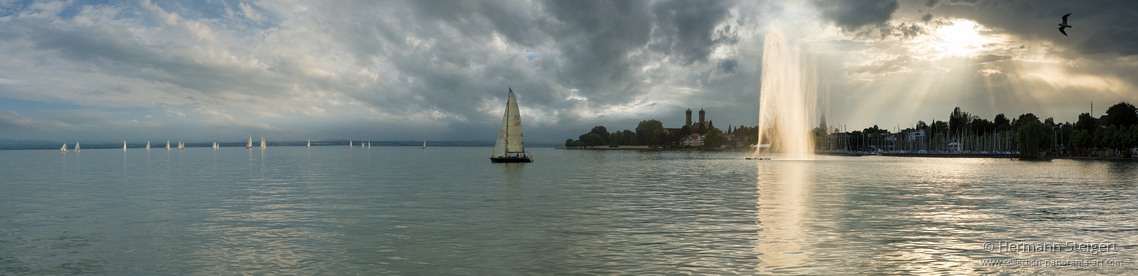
(123, 145)
(509, 148)
(216, 146)
(262, 142)
(181, 145)
(148, 145)
(76, 146)
(424, 144)
(250, 145)
(167, 144)
(64, 148)
(369, 144)
(310, 143)
(350, 144)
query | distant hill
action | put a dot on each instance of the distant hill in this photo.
(9, 144)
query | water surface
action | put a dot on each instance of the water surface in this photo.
(408, 211)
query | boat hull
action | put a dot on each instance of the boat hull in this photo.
(509, 159)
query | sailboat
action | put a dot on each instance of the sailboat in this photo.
(76, 146)
(216, 146)
(148, 145)
(310, 143)
(350, 143)
(424, 144)
(369, 144)
(262, 142)
(64, 148)
(123, 145)
(250, 145)
(509, 148)
(181, 145)
(167, 144)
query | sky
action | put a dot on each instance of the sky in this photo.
(440, 70)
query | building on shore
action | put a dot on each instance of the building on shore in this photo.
(695, 140)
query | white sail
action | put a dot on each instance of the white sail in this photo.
(500, 145)
(350, 143)
(76, 146)
(424, 144)
(250, 145)
(262, 142)
(181, 145)
(167, 144)
(310, 143)
(64, 148)
(514, 127)
(123, 145)
(369, 144)
(147, 145)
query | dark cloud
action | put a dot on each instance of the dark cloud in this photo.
(11, 121)
(991, 58)
(728, 66)
(689, 29)
(853, 14)
(925, 18)
(597, 49)
(1119, 35)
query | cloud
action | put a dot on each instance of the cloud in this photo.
(250, 13)
(853, 14)
(352, 67)
(11, 121)
(728, 66)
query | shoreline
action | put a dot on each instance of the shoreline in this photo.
(858, 154)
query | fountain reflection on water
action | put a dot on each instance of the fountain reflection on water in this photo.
(782, 206)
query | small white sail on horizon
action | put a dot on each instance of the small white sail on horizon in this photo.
(64, 148)
(76, 146)
(369, 144)
(123, 145)
(167, 144)
(262, 142)
(181, 145)
(147, 144)
(250, 145)
(350, 144)
(424, 144)
(310, 143)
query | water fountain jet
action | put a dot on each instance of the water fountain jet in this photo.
(788, 98)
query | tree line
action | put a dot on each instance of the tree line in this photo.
(1026, 134)
(652, 133)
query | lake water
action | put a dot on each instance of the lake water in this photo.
(449, 211)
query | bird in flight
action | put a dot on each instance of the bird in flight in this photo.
(1064, 25)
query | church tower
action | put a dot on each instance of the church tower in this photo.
(701, 122)
(688, 123)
